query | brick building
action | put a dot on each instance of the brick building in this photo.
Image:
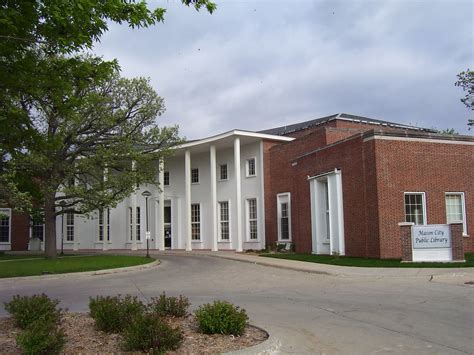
(337, 184)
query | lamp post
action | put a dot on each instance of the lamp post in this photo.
(147, 194)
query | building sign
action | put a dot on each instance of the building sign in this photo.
(432, 236)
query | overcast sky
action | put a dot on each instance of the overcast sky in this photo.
(260, 64)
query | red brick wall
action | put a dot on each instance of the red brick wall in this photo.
(20, 231)
(413, 166)
(375, 174)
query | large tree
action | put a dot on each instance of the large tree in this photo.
(70, 127)
(94, 139)
(466, 82)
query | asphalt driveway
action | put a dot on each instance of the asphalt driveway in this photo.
(303, 312)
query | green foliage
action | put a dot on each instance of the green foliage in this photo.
(466, 83)
(449, 131)
(149, 333)
(169, 306)
(221, 318)
(114, 314)
(27, 310)
(41, 337)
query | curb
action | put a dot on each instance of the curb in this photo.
(84, 273)
(270, 346)
(264, 263)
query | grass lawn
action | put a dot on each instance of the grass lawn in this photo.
(69, 264)
(366, 262)
(19, 256)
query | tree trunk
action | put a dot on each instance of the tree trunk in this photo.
(50, 227)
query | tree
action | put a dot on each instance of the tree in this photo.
(466, 82)
(448, 131)
(95, 139)
(66, 118)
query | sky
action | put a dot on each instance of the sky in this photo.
(259, 64)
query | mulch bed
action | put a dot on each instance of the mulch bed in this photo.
(82, 337)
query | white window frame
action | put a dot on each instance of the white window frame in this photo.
(220, 172)
(73, 225)
(138, 224)
(423, 198)
(8, 212)
(198, 177)
(219, 227)
(247, 167)
(130, 223)
(463, 206)
(198, 223)
(284, 198)
(248, 220)
(164, 178)
(101, 226)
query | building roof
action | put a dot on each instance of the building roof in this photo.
(284, 130)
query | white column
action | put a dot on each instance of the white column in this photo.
(213, 198)
(340, 213)
(187, 202)
(160, 210)
(238, 193)
(134, 220)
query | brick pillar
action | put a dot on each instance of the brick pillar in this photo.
(456, 241)
(405, 240)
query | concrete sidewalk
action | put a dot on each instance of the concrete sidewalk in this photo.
(343, 271)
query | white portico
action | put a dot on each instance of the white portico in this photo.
(210, 202)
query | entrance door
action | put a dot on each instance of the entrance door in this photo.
(167, 225)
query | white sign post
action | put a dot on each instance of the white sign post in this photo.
(431, 242)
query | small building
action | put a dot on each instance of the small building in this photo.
(337, 184)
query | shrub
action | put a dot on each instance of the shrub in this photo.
(221, 318)
(27, 310)
(113, 314)
(149, 333)
(169, 306)
(41, 337)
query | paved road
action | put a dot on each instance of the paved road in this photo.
(304, 313)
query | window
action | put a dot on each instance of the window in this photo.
(251, 167)
(284, 218)
(195, 221)
(5, 225)
(252, 219)
(455, 209)
(130, 222)
(101, 225)
(327, 210)
(224, 221)
(415, 210)
(37, 229)
(223, 172)
(137, 224)
(195, 176)
(166, 178)
(70, 227)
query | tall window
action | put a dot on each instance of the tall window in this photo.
(224, 220)
(415, 207)
(137, 224)
(102, 225)
(252, 218)
(455, 208)
(4, 226)
(251, 167)
(223, 172)
(195, 176)
(130, 222)
(70, 226)
(37, 229)
(195, 221)
(166, 178)
(284, 216)
(328, 212)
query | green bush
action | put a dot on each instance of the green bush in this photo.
(169, 306)
(149, 333)
(27, 310)
(113, 314)
(221, 318)
(41, 337)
